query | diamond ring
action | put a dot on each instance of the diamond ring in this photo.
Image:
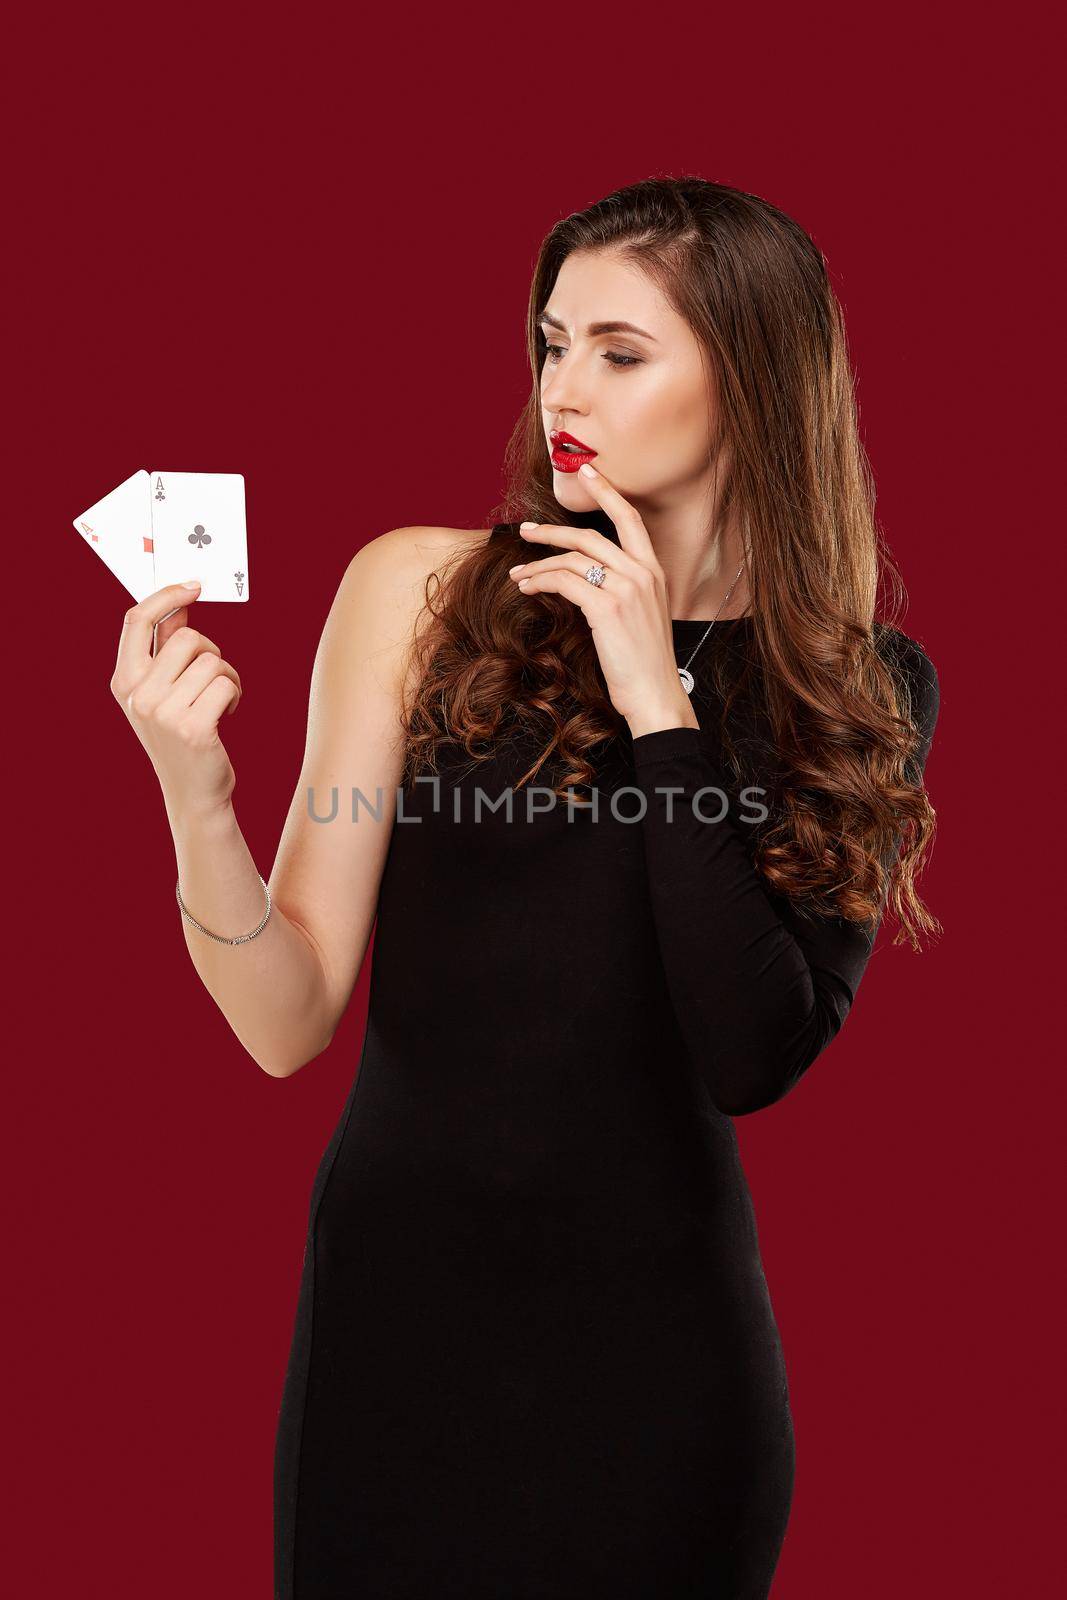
(595, 575)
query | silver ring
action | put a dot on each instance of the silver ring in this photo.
(595, 575)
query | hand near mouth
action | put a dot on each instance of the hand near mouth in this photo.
(628, 614)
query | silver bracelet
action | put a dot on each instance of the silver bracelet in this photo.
(241, 938)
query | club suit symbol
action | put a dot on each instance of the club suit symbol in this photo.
(199, 537)
(239, 580)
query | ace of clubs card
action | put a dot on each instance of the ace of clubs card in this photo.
(198, 531)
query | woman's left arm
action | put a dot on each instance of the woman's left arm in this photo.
(759, 991)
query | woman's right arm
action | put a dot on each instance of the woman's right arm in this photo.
(283, 992)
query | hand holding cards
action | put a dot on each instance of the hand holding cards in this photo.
(169, 526)
(174, 685)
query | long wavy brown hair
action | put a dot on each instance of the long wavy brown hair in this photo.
(490, 661)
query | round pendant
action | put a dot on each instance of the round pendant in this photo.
(687, 679)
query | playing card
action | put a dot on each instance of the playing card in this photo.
(119, 529)
(198, 531)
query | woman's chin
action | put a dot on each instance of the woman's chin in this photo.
(568, 487)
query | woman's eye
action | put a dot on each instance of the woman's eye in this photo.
(610, 356)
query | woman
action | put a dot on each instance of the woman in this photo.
(628, 789)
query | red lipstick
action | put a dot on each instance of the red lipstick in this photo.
(568, 460)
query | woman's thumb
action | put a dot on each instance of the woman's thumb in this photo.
(170, 624)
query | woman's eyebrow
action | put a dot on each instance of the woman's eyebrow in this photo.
(599, 327)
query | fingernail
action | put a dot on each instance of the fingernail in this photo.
(193, 583)
(527, 524)
(587, 471)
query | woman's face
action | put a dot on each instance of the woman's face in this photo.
(643, 401)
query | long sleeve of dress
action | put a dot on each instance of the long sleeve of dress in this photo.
(758, 989)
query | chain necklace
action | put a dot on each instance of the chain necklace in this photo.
(684, 672)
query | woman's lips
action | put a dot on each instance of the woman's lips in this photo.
(569, 460)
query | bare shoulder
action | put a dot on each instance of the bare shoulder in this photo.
(404, 558)
(392, 569)
(411, 554)
(427, 537)
(382, 593)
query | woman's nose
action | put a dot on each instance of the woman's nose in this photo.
(562, 393)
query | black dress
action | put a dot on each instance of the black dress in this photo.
(534, 1351)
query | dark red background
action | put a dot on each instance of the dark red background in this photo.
(268, 247)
